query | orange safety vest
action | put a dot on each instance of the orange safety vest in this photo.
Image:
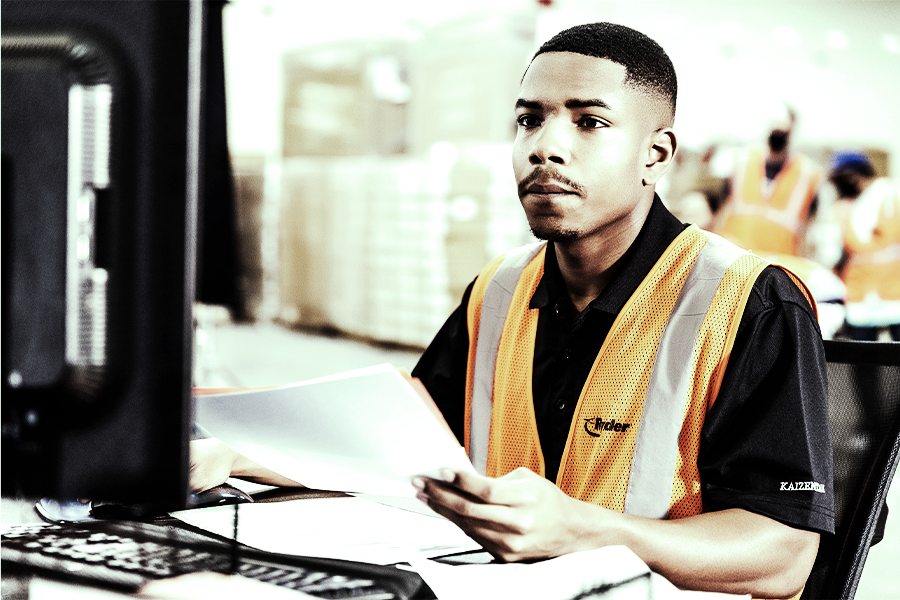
(766, 216)
(634, 438)
(871, 231)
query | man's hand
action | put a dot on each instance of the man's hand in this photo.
(212, 462)
(521, 516)
(516, 517)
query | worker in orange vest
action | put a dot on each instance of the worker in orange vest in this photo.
(826, 287)
(868, 210)
(771, 192)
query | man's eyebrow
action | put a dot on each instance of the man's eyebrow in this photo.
(571, 103)
(529, 104)
(575, 103)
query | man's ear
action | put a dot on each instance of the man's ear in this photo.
(660, 154)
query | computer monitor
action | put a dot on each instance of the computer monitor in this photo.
(101, 119)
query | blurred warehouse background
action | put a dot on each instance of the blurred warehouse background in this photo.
(371, 146)
(370, 141)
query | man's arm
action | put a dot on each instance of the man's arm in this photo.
(442, 367)
(212, 462)
(523, 516)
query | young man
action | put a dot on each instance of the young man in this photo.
(634, 381)
(671, 386)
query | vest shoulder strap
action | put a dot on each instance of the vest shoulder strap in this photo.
(656, 447)
(497, 296)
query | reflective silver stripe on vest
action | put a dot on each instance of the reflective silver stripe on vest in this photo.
(656, 447)
(497, 296)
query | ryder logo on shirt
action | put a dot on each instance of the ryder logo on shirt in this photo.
(594, 424)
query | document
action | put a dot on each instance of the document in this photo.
(347, 528)
(615, 570)
(363, 431)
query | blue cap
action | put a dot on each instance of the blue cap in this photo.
(850, 159)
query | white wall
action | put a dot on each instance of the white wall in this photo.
(257, 32)
(837, 61)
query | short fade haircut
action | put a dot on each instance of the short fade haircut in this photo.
(646, 64)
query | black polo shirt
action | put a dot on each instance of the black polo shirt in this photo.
(768, 429)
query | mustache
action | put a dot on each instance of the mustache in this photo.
(546, 176)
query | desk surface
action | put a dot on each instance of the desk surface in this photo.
(17, 578)
(458, 584)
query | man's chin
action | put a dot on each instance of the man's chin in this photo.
(554, 234)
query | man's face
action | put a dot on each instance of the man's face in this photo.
(780, 125)
(582, 144)
(847, 183)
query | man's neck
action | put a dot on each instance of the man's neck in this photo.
(588, 265)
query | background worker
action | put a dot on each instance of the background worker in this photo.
(744, 491)
(771, 192)
(868, 210)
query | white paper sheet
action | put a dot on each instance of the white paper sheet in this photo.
(559, 578)
(347, 528)
(362, 431)
(411, 504)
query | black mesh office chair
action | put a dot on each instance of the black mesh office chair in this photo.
(864, 409)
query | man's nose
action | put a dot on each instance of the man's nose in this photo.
(551, 143)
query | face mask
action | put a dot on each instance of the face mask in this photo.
(778, 140)
(846, 188)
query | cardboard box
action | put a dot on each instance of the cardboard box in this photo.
(465, 78)
(345, 99)
(374, 247)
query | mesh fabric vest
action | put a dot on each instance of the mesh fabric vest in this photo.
(874, 263)
(597, 463)
(767, 217)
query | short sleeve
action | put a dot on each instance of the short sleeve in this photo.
(442, 367)
(766, 443)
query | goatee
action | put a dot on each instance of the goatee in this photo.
(553, 234)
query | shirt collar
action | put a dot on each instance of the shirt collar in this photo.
(657, 233)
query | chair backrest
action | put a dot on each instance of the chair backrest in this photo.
(864, 410)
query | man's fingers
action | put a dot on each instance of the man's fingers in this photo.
(507, 490)
(493, 536)
(479, 486)
(469, 518)
(484, 489)
(464, 509)
(210, 464)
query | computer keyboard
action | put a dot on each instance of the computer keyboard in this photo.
(125, 555)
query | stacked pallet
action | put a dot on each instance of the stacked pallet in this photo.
(396, 186)
(383, 247)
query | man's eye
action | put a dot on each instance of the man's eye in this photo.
(528, 121)
(591, 123)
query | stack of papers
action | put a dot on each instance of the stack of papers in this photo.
(345, 528)
(365, 431)
(559, 578)
(360, 431)
(613, 573)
